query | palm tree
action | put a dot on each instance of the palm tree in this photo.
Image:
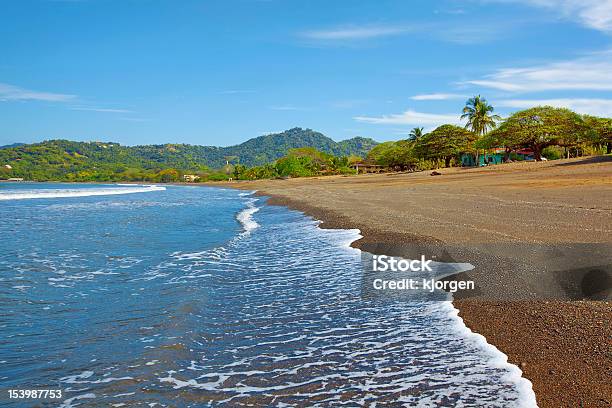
(480, 117)
(416, 133)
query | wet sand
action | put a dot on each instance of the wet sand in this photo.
(538, 234)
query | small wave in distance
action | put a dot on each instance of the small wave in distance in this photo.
(76, 192)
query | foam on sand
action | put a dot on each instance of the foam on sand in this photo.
(524, 387)
(76, 192)
(526, 395)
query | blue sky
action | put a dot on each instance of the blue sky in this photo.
(221, 72)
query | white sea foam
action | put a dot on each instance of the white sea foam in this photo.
(218, 254)
(345, 237)
(370, 347)
(248, 193)
(76, 192)
(83, 378)
(246, 217)
(68, 403)
(524, 387)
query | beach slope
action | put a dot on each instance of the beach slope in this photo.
(538, 234)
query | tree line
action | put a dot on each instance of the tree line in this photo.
(546, 131)
(64, 160)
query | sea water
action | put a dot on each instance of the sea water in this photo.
(198, 296)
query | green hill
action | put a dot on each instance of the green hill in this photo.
(11, 145)
(63, 159)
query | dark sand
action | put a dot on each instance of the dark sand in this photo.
(538, 234)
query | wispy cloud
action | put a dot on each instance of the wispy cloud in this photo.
(410, 117)
(15, 93)
(592, 106)
(437, 97)
(107, 110)
(587, 73)
(454, 32)
(595, 14)
(466, 33)
(354, 32)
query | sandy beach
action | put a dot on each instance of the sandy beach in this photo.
(538, 234)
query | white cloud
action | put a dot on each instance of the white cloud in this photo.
(472, 33)
(108, 110)
(595, 14)
(15, 93)
(449, 32)
(587, 73)
(353, 32)
(592, 106)
(411, 117)
(437, 97)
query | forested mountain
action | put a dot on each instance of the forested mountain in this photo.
(11, 145)
(267, 148)
(63, 159)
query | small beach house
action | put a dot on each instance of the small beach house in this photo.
(190, 178)
(365, 167)
(491, 156)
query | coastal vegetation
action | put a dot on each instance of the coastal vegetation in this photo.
(300, 162)
(538, 128)
(63, 160)
(535, 133)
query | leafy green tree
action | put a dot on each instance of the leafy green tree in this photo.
(337, 164)
(375, 155)
(239, 171)
(602, 131)
(168, 175)
(293, 166)
(445, 143)
(400, 154)
(537, 128)
(267, 171)
(314, 155)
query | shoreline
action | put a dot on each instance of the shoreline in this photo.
(560, 344)
(327, 221)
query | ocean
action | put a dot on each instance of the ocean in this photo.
(176, 296)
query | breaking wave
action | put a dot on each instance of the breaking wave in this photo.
(200, 310)
(76, 192)
(245, 217)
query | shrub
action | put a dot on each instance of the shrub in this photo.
(553, 152)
